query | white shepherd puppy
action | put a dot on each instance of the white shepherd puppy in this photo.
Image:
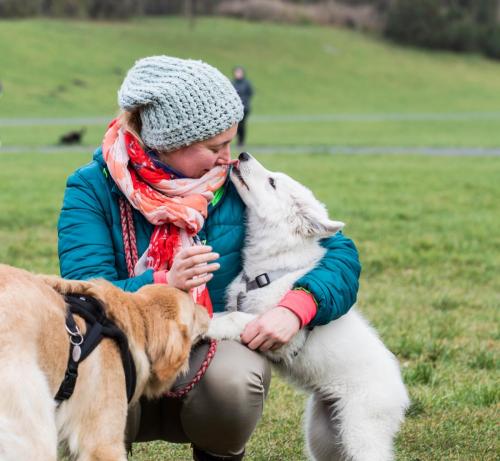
(358, 398)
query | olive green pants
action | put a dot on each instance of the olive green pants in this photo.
(219, 414)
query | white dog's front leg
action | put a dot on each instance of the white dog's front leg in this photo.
(228, 326)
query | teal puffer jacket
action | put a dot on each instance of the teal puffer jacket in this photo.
(91, 244)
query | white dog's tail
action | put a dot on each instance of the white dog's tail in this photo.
(27, 423)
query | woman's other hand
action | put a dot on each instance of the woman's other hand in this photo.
(271, 330)
(191, 267)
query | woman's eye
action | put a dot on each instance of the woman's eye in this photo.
(273, 184)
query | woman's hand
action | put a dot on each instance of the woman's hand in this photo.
(191, 269)
(271, 330)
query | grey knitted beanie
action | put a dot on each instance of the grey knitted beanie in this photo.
(181, 101)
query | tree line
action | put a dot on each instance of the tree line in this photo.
(103, 9)
(458, 25)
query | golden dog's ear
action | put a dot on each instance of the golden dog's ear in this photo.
(113, 297)
(168, 345)
(170, 351)
(64, 286)
(200, 323)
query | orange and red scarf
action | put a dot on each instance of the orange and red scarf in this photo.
(177, 207)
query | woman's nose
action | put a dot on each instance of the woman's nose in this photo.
(225, 155)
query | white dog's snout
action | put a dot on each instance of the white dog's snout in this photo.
(244, 157)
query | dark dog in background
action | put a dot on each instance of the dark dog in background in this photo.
(72, 137)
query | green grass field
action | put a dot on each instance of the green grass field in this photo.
(73, 69)
(426, 227)
(427, 232)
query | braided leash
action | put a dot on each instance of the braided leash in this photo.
(128, 234)
(199, 374)
(131, 257)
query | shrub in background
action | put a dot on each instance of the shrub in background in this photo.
(458, 25)
(417, 23)
(65, 8)
(113, 9)
(362, 16)
(16, 8)
(263, 10)
(95, 9)
(491, 42)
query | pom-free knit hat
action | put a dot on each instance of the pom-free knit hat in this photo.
(180, 101)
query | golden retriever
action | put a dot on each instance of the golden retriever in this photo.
(160, 323)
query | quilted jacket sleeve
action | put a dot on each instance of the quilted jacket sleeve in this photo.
(86, 248)
(334, 282)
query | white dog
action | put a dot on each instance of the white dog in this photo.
(358, 398)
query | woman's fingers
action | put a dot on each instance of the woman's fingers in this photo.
(271, 330)
(199, 259)
(269, 345)
(196, 282)
(191, 267)
(194, 250)
(263, 343)
(201, 270)
(192, 256)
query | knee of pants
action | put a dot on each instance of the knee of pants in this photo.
(221, 412)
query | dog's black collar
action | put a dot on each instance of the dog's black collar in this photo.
(262, 280)
(98, 327)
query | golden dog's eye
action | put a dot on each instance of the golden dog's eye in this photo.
(273, 184)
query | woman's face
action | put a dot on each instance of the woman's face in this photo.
(197, 159)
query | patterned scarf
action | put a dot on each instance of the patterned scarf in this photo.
(177, 207)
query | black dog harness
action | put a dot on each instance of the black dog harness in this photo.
(98, 327)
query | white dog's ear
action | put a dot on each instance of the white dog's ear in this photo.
(334, 226)
(323, 228)
(315, 222)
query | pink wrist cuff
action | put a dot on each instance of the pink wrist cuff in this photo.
(160, 277)
(301, 303)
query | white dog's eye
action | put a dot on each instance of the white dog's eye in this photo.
(273, 184)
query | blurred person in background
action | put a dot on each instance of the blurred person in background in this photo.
(245, 91)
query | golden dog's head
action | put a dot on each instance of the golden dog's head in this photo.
(161, 324)
(173, 324)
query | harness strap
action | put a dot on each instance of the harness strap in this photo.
(69, 381)
(99, 326)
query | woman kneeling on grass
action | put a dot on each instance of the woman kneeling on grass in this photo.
(156, 206)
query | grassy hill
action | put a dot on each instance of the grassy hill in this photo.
(52, 68)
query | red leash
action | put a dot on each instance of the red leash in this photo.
(131, 257)
(199, 374)
(128, 234)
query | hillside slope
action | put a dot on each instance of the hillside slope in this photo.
(52, 68)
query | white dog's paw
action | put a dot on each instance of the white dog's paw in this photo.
(228, 326)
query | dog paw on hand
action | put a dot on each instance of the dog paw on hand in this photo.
(220, 329)
(228, 326)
